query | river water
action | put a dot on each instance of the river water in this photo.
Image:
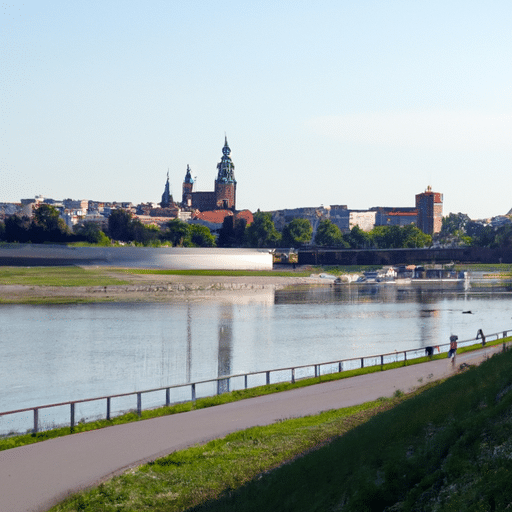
(57, 353)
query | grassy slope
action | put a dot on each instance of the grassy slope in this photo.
(446, 448)
(449, 448)
(56, 276)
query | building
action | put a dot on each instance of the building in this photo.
(430, 211)
(395, 216)
(223, 196)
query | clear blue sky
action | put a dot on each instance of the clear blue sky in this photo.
(363, 103)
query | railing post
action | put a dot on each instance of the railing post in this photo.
(139, 404)
(405, 358)
(362, 362)
(72, 412)
(193, 392)
(316, 370)
(381, 361)
(293, 375)
(108, 408)
(340, 366)
(268, 378)
(245, 381)
(168, 396)
(218, 387)
(36, 420)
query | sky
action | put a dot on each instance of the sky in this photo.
(361, 103)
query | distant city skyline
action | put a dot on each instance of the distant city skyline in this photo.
(364, 104)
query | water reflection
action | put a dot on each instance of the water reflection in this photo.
(225, 344)
(58, 353)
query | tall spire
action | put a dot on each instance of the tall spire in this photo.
(226, 167)
(166, 196)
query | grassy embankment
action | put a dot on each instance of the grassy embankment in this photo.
(445, 447)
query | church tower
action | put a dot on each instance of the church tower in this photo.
(225, 184)
(188, 184)
(166, 196)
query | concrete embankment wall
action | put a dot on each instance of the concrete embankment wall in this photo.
(136, 257)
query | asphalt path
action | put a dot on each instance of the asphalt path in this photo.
(38, 476)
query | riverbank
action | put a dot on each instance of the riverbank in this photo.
(146, 287)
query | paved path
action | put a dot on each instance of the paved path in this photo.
(36, 477)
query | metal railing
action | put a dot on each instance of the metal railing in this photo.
(224, 381)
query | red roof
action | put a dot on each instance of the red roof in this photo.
(247, 215)
(213, 216)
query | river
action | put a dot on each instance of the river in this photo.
(57, 353)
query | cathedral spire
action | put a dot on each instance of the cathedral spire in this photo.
(166, 196)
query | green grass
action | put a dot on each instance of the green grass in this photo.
(446, 447)
(264, 273)
(485, 267)
(56, 276)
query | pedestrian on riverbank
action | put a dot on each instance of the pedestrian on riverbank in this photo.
(453, 348)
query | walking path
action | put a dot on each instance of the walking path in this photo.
(36, 477)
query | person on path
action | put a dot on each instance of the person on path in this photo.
(453, 348)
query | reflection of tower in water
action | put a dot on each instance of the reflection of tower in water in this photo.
(429, 318)
(189, 342)
(225, 344)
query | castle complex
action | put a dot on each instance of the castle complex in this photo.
(223, 196)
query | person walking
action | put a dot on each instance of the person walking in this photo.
(453, 348)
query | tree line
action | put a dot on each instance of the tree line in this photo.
(46, 225)
(459, 229)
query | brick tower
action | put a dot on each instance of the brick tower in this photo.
(188, 184)
(430, 211)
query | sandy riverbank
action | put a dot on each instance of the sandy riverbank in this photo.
(156, 288)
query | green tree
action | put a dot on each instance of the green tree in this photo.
(177, 232)
(47, 225)
(414, 237)
(297, 232)
(233, 232)
(201, 236)
(328, 234)
(503, 237)
(120, 225)
(262, 232)
(91, 232)
(454, 223)
(358, 239)
(17, 229)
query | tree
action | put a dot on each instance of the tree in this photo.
(358, 239)
(47, 225)
(328, 234)
(120, 225)
(232, 233)
(414, 237)
(177, 232)
(17, 229)
(297, 232)
(201, 236)
(262, 232)
(91, 232)
(454, 223)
